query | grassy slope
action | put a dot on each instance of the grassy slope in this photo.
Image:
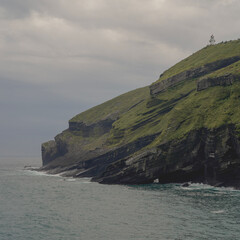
(178, 110)
(210, 108)
(206, 55)
(113, 107)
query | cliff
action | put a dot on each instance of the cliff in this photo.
(184, 127)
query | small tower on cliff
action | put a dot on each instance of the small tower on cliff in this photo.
(212, 40)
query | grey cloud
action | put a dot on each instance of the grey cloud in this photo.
(18, 8)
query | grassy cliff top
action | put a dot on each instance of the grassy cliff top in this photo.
(114, 107)
(208, 54)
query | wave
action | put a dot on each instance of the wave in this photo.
(39, 173)
(59, 175)
(218, 211)
(201, 186)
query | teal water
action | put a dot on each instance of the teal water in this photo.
(37, 206)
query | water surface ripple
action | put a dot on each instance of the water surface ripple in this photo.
(38, 207)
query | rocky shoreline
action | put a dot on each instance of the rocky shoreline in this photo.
(203, 157)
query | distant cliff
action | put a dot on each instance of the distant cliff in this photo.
(184, 127)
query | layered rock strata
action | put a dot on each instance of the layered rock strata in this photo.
(192, 73)
(203, 156)
(225, 80)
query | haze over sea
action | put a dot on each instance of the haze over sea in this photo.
(38, 206)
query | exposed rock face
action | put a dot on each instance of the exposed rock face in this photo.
(97, 166)
(98, 128)
(49, 152)
(193, 73)
(204, 156)
(89, 164)
(53, 149)
(58, 148)
(205, 83)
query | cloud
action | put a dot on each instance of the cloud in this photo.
(86, 35)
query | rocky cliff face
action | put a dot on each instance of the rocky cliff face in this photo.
(49, 152)
(76, 162)
(96, 129)
(203, 156)
(224, 80)
(183, 128)
(208, 156)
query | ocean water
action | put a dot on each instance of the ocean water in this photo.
(37, 206)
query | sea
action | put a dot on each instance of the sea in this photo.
(38, 206)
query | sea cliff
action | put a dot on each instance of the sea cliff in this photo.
(183, 127)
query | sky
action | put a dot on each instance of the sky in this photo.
(60, 57)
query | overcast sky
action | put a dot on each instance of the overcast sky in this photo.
(60, 57)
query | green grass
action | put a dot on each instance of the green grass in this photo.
(206, 55)
(113, 108)
(148, 118)
(210, 109)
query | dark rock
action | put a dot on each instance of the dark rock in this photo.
(96, 166)
(185, 184)
(225, 80)
(95, 129)
(27, 166)
(49, 151)
(89, 164)
(205, 156)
